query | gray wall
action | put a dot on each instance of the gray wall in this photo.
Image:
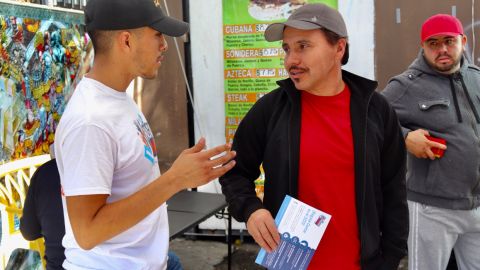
(164, 101)
(397, 38)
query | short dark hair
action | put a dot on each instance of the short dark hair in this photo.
(101, 40)
(332, 39)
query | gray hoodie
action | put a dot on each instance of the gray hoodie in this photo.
(448, 107)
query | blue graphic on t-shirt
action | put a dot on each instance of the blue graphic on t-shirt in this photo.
(145, 134)
(148, 154)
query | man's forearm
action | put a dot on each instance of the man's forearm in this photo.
(95, 221)
(111, 219)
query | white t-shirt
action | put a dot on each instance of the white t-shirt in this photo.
(104, 145)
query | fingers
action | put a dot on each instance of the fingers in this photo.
(219, 171)
(197, 147)
(429, 154)
(221, 165)
(430, 145)
(210, 153)
(267, 236)
(262, 237)
(436, 145)
(255, 233)
(424, 152)
(217, 150)
(262, 228)
(223, 159)
(213, 161)
(272, 228)
(421, 146)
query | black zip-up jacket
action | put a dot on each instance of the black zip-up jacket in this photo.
(270, 134)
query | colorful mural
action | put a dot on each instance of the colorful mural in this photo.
(40, 64)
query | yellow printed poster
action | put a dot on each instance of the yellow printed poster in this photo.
(251, 64)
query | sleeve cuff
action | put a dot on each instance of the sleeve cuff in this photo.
(252, 205)
(405, 132)
(390, 262)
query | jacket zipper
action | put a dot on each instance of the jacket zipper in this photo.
(293, 165)
(290, 177)
(474, 120)
(364, 167)
(470, 102)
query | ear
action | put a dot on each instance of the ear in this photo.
(341, 46)
(124, 41)
(464, 41)
(342, 43)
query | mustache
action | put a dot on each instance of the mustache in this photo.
(296, 68)
(443, 55)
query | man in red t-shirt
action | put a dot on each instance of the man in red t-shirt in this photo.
(328, 139)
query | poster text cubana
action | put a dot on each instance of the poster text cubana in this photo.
(251, 64)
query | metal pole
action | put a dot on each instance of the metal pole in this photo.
(229, 241)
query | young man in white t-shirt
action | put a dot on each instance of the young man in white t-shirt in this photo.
(113, 193)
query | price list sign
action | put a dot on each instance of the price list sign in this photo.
(251, 64)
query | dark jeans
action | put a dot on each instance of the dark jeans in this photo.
(173, 262)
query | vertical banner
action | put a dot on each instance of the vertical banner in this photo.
(42, 54)
(251, 64)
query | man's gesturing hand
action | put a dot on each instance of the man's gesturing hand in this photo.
(195, 166)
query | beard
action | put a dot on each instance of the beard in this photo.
(446, 68)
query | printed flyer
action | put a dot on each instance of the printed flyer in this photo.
(251, 64)
(301, 228)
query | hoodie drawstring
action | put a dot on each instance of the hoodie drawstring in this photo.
(455, 100)
(472, 106)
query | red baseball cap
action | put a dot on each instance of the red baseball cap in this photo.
(441, 24)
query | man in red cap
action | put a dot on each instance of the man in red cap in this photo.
(437, 100)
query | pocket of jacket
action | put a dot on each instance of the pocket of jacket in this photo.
(425, 105)
(436, 114)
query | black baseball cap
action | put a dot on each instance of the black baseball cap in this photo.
(309, 17)
(131, 14)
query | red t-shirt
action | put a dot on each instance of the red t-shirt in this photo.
(327, 177)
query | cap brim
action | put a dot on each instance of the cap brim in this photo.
(170, 27)
(274, 31)
(443, 34)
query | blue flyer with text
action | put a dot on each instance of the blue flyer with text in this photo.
(301, 228)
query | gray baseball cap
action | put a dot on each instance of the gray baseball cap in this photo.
(309, 17)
